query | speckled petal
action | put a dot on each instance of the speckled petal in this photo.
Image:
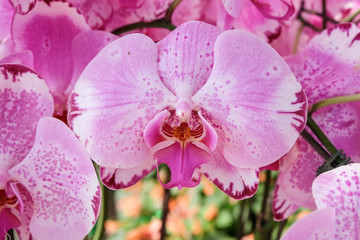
(48, 31)
(282, 208)
(340, 189)
(84, 48)
(238, 183)
(297, 173)
(255, 98)
(186, 57)
(117, 95)
(62, 182)
(233, 7)
(328, 67)
(120, 178)
(24, 99)
(317, 225)
(22, 6)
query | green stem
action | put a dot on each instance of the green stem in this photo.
(352, 17)
(334, 100)
(165, 212)
(329, 19)
(161, 23)
(280, 229)
(171, 10)
(323, 14)
(315, 145)
(304, 22)
(297, 38)
(321, 136)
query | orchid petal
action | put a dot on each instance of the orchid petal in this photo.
(26, 210)
(182, 159)
(328, 67)
(297, 173)
(62, 182)
(6, 15)
(118, 93)
(252, 20)
(24, 99)
(282, 207)
(277, 10)
(24, 58)
(84, 48)
(233, 7)
(317, 225)
(22, 6)
(152, 132)
(210, 139)
(238, 183)
(120, 178)
(339, 189)
(48, 31)
(255, 97)
(186, 57)
(224, 21)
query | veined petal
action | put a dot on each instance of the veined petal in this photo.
(186, 57)
(317, 225)
(238, 183)
(84, 48)
(182, 159)
(24, 99)
(119, 178)
(117, 95)
(256, 99)
(62, 182)
(233, 7)
(48, 31)
(328, 67)
(339, 189)
(282, 208)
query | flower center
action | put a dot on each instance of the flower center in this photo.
(182, 132)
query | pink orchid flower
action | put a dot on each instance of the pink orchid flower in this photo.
(336, 195)
(48, 185)
(199, 101)
(111, 14)
(61, 44)
(259, 17)
(327, 67)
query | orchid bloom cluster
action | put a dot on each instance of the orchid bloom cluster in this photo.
(220, 89)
